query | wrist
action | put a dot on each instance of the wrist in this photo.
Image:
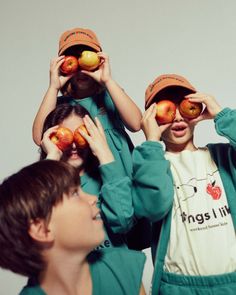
(53, 156)
(109, 82)
(53, 89)
(106, 157)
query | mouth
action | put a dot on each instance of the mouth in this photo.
(179, 129)
(97, 216)
(74, 154)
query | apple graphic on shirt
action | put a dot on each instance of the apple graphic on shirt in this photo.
(165, 111)
(214, 191)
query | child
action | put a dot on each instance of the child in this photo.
(189, 193)
(103, 98)
(94, 90)
(100, 174)
(48, 226)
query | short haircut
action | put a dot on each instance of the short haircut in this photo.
(27, 195)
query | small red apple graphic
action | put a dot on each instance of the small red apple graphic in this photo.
(62, 138)
(70, 65)
(79, 140)
(189, 109)
(166, 111)
(214, 191)
(89, 60)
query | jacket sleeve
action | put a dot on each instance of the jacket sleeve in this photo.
(152, 182)
(225, 124)
(116, 198)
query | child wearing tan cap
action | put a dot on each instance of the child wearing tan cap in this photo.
(188, 192)
(104, 99)
(96, 91)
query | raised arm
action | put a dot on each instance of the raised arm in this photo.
(127, 109)
(50, 98)
(152, 181)
(116, 190)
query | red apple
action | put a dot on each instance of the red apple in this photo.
(166, 110)
(89, 60)
(70, 65)
(79, 140)
(189, 109)
(62, 138)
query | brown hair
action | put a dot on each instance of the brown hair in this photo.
(28, 195)
(61, 112)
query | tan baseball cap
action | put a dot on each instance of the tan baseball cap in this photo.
(162, 82)
(78, 36)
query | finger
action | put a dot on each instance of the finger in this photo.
(103, 55)
(51, 130)
(85, 135)
(91, 127)
(151, 111)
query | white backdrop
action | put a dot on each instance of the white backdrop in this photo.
(194, 38)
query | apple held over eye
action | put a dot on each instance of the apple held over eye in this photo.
(189, 109)
(165, 111)
(79, 140)
(70, 65)
(89, 60)
(62, 138)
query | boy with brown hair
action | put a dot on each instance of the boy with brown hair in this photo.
(48, 227)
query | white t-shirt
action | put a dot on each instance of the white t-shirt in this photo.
(202, 238)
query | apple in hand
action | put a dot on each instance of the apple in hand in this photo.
(70, 65)
(189, 109)
(165, 111)
(88, 60)
(79, 140)
(62, 138)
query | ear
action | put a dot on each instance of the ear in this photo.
(39, 231)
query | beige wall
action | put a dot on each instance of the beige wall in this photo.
(195, 38)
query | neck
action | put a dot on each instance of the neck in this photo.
(177, 148)
(67, 274)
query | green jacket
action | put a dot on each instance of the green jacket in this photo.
(154, 192)
(114, 271)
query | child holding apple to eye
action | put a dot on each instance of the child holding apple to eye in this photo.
(188, 192)
(100, 173)
(48, 228)
(93, 89)
(101, 96)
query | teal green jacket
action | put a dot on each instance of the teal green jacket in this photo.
(114, 271)
(113, 186)
(154, 193)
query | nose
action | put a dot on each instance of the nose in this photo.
(178, 116)
(91, 199)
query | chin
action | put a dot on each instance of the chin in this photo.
(75, 163)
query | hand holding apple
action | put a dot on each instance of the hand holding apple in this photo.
(189, 109)
(70, 65)
(51, 150)
(62, 138)
(89, 60)
(212, 107)
(165, 111)
(97, 140)
(79, 140)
